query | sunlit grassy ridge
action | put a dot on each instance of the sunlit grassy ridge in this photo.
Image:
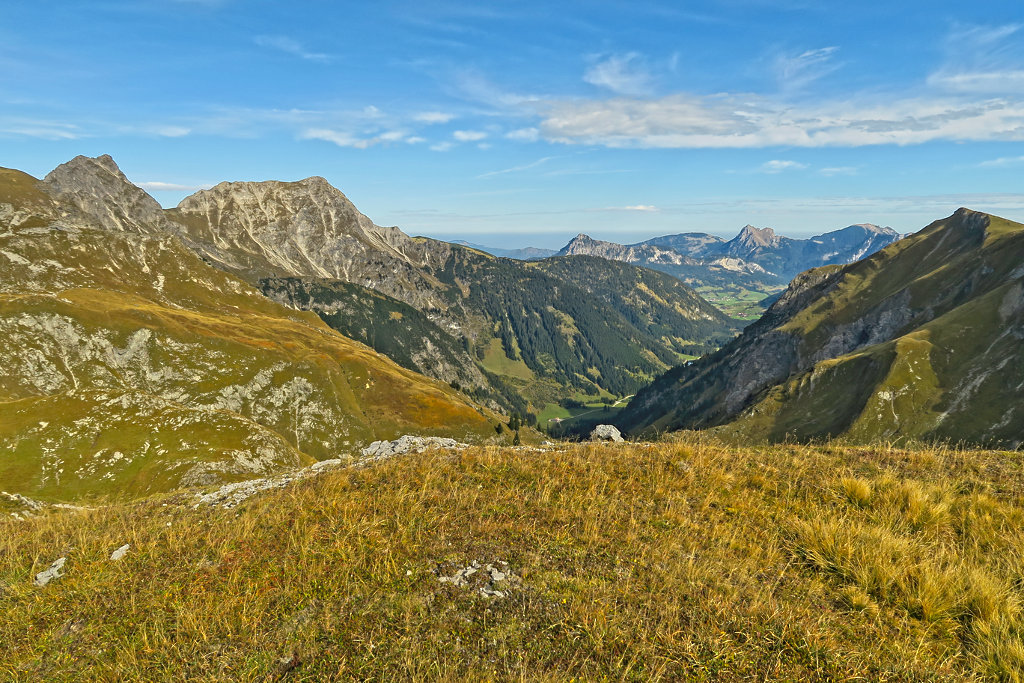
(687, 559)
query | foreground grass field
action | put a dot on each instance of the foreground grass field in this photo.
(686, 559)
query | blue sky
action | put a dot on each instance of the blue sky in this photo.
(522, 123)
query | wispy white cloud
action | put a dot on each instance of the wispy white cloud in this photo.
(530, 134)
(1002, 161)
(623, 74)
(731, 121)
(642, 208)
(794, 71)
(292, 47)
(472, 85)
(515, 169)
(158, 186)
(345, 139)
(587, 171)
(172, 131)
(432, 117)
(441, 146)
(42, 129)
(780, 165)
(981, 60)
(1008, 80)
(469, 135)
(830, 171)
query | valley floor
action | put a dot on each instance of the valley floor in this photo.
(686, 559)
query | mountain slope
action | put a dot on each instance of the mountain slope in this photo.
(396, 329)
(655, 302)
(520, 323)
(920, 340)
(131, 366)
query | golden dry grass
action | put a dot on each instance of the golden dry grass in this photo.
(680, 560)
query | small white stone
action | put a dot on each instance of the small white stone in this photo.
(120, 553)
(54, 572)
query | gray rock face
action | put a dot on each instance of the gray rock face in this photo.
(98, 189)
(408, 444)
(307, 229)
(230, 495)
(606, 433)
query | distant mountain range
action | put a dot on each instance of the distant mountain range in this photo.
(756, 250)
(921, 340)
(526, 334)
(748, 268)
(145, 349)
(522, 254)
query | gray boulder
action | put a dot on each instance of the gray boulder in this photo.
(606, 433)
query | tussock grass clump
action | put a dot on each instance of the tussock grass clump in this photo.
(857, 491)
(681, 560)
(933, 548)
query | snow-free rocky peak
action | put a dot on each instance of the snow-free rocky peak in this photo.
(751, 237)
(306, 228)
(97, 188)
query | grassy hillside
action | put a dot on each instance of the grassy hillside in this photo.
(132, 366)
(392, 327)
(920, 340)
(682, 560)
(658, 303)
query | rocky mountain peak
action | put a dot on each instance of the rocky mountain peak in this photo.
(586, 245)
(761, 237)
(314, 189)
(83, 172)
(96, 187)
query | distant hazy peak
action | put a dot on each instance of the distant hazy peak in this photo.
(587, 245)
(760, 237)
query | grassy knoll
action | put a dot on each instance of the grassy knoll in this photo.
(687, 559)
